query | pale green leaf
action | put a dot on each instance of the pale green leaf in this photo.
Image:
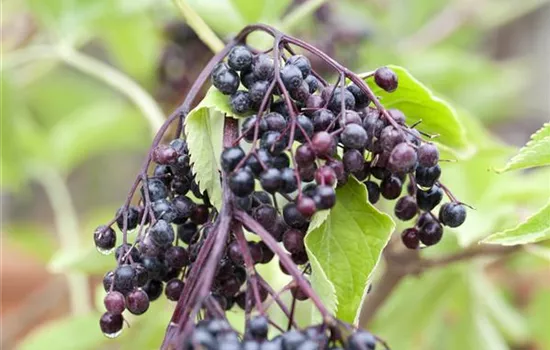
(214, 99)
(70, 333)
(204, 130)
(204, 157)
(535, 153)
(348, 246)
(418, 103)
(535, 229)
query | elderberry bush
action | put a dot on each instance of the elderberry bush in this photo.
(300, 138)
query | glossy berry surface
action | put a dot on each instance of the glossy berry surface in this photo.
(386, 79)
(452, 214)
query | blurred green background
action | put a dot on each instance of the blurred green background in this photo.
(85, 84)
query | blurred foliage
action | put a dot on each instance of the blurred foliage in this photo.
(56, 116)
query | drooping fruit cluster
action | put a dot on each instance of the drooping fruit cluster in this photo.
(169, 232)
(299, 139)
(309, 137)
(218, 334)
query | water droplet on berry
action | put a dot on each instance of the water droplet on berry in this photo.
(113, 335)
(105, 251)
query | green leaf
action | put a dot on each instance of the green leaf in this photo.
(348, 245)
(418, 103)
(251, 11)
(70, 333)
(534, 154)
(216, 100)
(204, 130)
(535, 229)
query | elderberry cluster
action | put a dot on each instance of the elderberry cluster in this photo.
(218, 334)
(169, 231)
(309, 137)
(299, 139)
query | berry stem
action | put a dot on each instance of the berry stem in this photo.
(249, 266)
(287, 263)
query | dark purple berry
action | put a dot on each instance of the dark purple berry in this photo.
(313, 85)
(361, 340)
(249, 126)
(132, 216)
(304, 127)
(173, 289)
(187, 233)
(231, 157)
(390, 137)
(114, 302)
(427, 200)
(104, 238)
(200, 214)
(240, 102)
(427, 177)
(361, 98)
(405, 208)
(293, 241)
(153, 288)
(322, 120)
(292, 77)
(353, 161)
(306, 206)
(257, 92)
(452, 214)
(325, 175)
(428, 155)
(241, 182)
(293, 217)
(301, 62)
(235, 253)
(402, 159)
(410, 238)
(263, 67)
(386, 79)
(239, 58)
(266, 215)
(430, 233)
(258, 327)
(289, 181)
(124, 279)
(354, 136)
(162, 233)
(176, 257)
(323, 144)
(271, 180)
(304, 156)
(335, 102)
(301, 93)
(373, 191)
(225, 79)
(138, 302)
(391, 187)
(110, 324)
(273, 142)
(325, 197)
(164, 154)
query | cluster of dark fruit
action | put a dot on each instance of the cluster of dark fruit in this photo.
(160, 255)
(296, 138)
(214, 334)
